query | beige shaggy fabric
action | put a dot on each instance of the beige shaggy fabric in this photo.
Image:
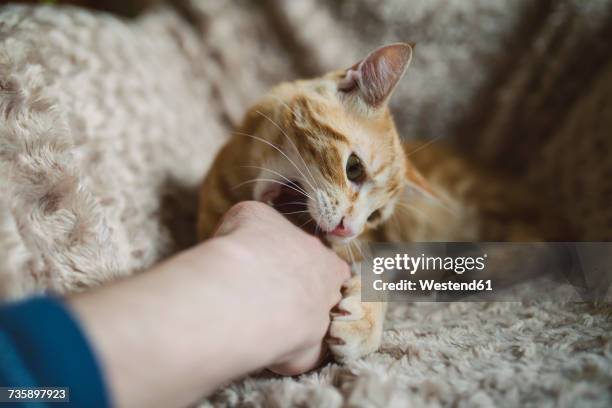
(103, 125)
(459, 355)
(107, 126)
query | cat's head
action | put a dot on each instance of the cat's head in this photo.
(336, 162)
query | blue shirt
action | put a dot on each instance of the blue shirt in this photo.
(42, 345)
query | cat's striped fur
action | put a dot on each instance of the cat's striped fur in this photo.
(296, 143)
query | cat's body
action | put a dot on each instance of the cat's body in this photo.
(326, 153)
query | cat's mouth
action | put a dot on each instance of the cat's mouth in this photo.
(289, 199)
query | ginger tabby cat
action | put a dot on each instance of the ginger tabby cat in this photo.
(326, 153)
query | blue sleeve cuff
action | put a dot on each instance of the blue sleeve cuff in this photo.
(41, 345)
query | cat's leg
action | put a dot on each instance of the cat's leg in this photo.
(356, 327)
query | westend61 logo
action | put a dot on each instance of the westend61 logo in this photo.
(412, 264)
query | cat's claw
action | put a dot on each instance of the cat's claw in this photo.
(351, 338)
(336, 311)
(356, 327)
(349, 308)
(335, 341)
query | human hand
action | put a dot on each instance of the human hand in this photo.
(292, 278)
(257, 295)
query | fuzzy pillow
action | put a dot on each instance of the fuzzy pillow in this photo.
(105, 133)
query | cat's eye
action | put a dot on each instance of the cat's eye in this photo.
(374, 216)
(354, 169)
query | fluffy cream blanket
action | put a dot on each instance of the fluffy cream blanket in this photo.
(107, 126)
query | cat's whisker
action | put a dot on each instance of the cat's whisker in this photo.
(304, 224)
(292, 144)
(294, 212)
(314, 180)
(397, 220)
(443, 204)
(409, 207)
(279, 150)
(435, 139)
(415, 209)
(350, 251)
(358, 247)
(301, 203)
(440, 203)
(271, 181)
(433, 197)
(278, 174)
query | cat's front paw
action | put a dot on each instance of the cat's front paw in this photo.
(356, 327)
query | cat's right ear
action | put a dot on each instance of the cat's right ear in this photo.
(374, 78)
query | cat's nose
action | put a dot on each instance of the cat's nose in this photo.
(341, 230)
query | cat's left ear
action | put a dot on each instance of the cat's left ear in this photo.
(375, 77)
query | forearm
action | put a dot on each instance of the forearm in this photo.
(175, 332)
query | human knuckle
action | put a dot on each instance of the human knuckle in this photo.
(243, 207)
(234, 212)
